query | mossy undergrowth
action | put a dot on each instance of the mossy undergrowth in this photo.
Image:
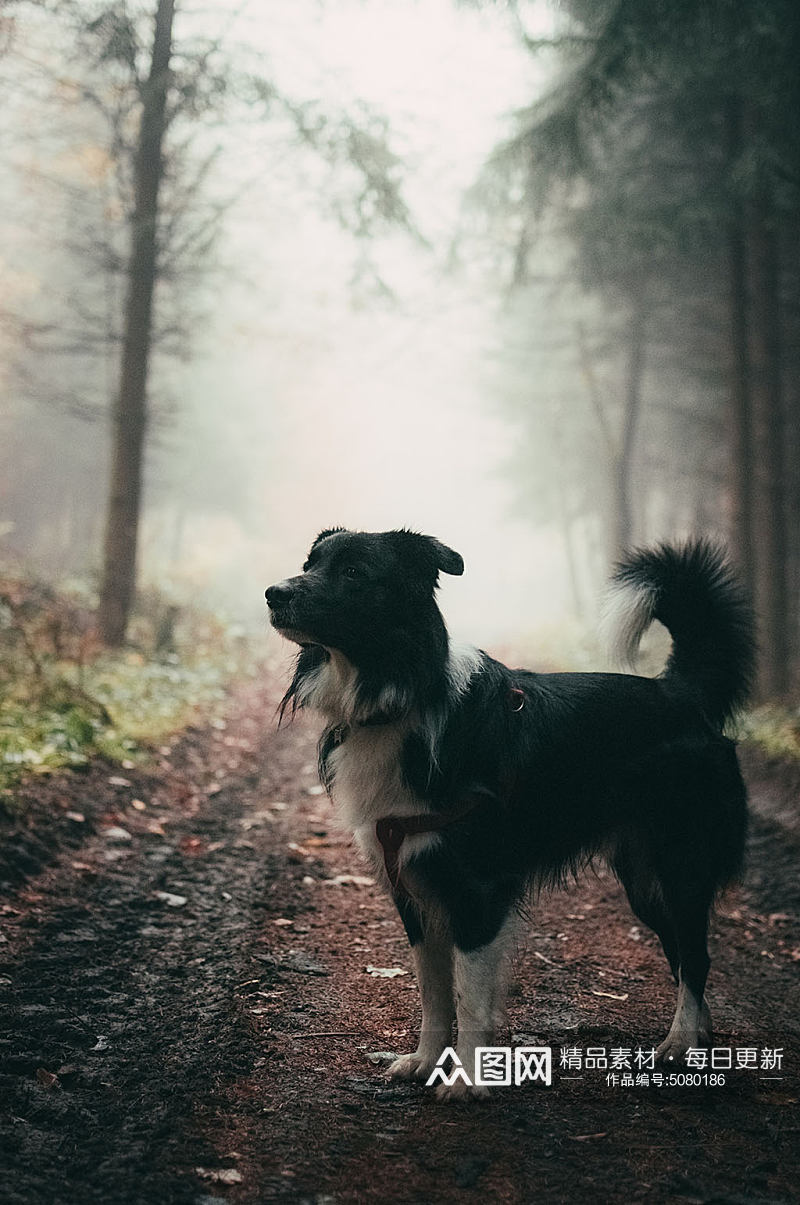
(122, 704)
(774, 730)
(64, 699)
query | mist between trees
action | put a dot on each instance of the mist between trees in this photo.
(241, 304)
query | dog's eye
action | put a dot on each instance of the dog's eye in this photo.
(350, 571)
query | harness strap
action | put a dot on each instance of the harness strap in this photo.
(391, 831)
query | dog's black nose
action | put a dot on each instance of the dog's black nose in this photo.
(278, 595)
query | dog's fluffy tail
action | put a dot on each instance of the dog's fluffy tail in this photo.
(693, 591)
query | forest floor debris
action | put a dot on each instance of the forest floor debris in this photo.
(165, 1053)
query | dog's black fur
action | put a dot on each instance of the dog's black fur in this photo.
(534, 774)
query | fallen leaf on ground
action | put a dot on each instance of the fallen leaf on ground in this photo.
(297, 960)
(223, 1175)
(191, 845)
(356, 880)
(172, 901)
(116, 780)
(115, 833)
(610, 995)
(46, 1078)
(385, 972)
(78, 817)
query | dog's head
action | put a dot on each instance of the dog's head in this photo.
(357, 588)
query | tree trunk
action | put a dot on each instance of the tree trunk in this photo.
(623, 467)
(130, 411)
(792, 461)
(769, 430)
(565, 524)
(742, 463)
(607, 508)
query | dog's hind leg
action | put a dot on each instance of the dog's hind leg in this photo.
(634, 869)
(697, 845)
(691, 1025)
(433, 961)
(479, 977)
(651, 911)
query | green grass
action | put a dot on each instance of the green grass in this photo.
(115, 707)
(774, 730)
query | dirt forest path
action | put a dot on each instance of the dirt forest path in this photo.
(187, 1014)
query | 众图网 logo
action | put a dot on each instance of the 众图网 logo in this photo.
(496, 1067)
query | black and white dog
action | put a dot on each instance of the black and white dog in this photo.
(468, 784)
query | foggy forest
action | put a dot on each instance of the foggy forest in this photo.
(523, 275)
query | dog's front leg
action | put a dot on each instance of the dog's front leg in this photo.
(479, 978)
(433, 961)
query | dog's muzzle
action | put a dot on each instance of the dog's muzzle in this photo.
(280, 599)
(282, 614)
(279, 595)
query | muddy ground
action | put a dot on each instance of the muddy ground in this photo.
(188, 1014)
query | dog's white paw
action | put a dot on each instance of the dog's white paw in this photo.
(412, 1066)
(500, 1020)
(460, 1092)
(672, 1051)
(681, 1038)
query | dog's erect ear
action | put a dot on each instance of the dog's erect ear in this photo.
(323, 535)
(426, 557)
(447, 559)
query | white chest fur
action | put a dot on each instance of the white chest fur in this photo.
(368, 785)
(368, 782)
(367, 776)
